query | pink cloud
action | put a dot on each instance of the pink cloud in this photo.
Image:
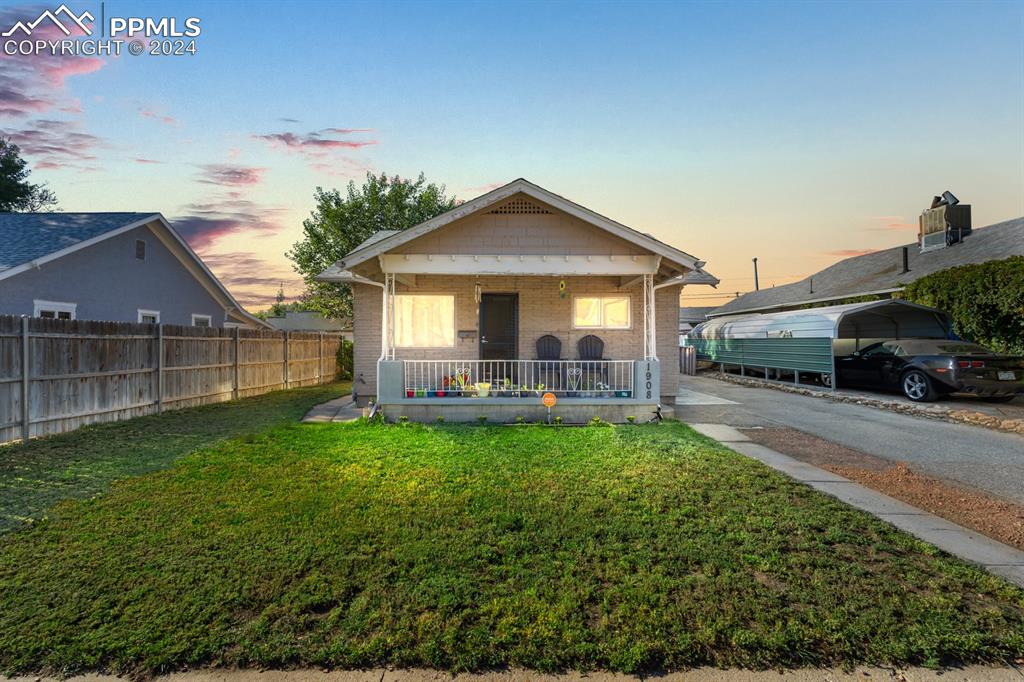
(158, 116)
(482, 189)
(231, 175)
(146, 161)
(890, 222)
(56, 144)
(310, 141)
(204, 223)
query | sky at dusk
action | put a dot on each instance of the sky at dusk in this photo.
(799, 133)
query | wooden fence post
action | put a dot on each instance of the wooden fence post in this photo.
(320, 363)
(286, 369)
(26, 410)
(236, 386)
(159, 368)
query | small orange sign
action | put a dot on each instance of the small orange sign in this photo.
(549, 400)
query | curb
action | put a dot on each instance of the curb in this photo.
(995, 557)
(934, 412)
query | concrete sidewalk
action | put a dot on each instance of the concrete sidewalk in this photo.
(341, 409)
(995, 557)
(973, 673)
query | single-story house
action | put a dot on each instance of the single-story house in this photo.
(520, 292)
(311, 321)
(120, 267)
(882, 273)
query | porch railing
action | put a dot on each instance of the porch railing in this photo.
(518, 378)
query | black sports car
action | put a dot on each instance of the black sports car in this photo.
(924, 369)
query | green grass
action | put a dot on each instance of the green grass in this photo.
(630, 548)
(35, 476)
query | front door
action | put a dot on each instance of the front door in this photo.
(499, 326)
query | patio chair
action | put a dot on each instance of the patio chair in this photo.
(549, 353)
(591, 350)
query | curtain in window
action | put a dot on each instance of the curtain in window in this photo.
(424, 321)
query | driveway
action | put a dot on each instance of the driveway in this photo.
(988, 460)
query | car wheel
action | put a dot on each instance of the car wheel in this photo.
(826, 379)
(918, 387)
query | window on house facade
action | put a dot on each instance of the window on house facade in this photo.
(201, 320)
(424, 321)
(149, 316)
(601, 312)
(140, 249)
(54, 310)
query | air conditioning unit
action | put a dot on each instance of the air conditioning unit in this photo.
(943, 226)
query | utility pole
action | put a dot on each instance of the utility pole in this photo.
(757, 287)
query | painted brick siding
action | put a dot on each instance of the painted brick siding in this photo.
(541, 311)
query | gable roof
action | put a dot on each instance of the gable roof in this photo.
(28, 240)
(26, 237)
(371, 248)
(881, 272)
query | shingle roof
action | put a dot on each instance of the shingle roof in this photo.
(693, 315)
(881, 271)
(374, 238)
(26, 237)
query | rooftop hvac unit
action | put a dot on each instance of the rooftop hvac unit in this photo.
(944, 226)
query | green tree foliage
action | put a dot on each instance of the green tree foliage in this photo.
(16, 192)
(339, 223)
(986, 301)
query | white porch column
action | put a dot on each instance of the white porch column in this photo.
(650, 328)
(387, 335)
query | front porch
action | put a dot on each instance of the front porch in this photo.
(506, 391)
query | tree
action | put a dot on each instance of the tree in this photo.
(16, 192)
(338, 224)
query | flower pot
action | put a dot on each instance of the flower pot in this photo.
(410, 394)
(622, 394)
(483, 389)
(440, 394)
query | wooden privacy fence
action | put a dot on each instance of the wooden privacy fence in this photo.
(58, 375)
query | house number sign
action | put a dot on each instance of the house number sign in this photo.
(648, 381)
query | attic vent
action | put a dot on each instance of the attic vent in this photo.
(521, 207)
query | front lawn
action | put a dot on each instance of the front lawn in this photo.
(34, 476)
(626, 548)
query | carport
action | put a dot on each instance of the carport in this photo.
(786, 344)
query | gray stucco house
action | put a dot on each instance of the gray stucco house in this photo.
(122, 267)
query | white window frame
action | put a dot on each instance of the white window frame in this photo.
(629, 310)
(56, 306)
(455, 326)
(198, 316)
(155, 313)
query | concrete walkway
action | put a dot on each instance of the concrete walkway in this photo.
(341, 409)
(995, 557)
(973, 673)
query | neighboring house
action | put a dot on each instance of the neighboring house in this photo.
(481, 310)
(122, 267)
(690, 317)
(311, 321)
(882, 273)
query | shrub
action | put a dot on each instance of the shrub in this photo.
(403, 419)
(482, 419)
(986, 301)
(345, 360)
(595, 421)
(520, 420)
(558, 420)
(440, 419)
(631, 419)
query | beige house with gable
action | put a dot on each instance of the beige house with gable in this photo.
(517, 293)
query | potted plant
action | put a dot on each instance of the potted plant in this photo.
(538, 389)
(483, 389)
(421, 393)
(409, 393)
